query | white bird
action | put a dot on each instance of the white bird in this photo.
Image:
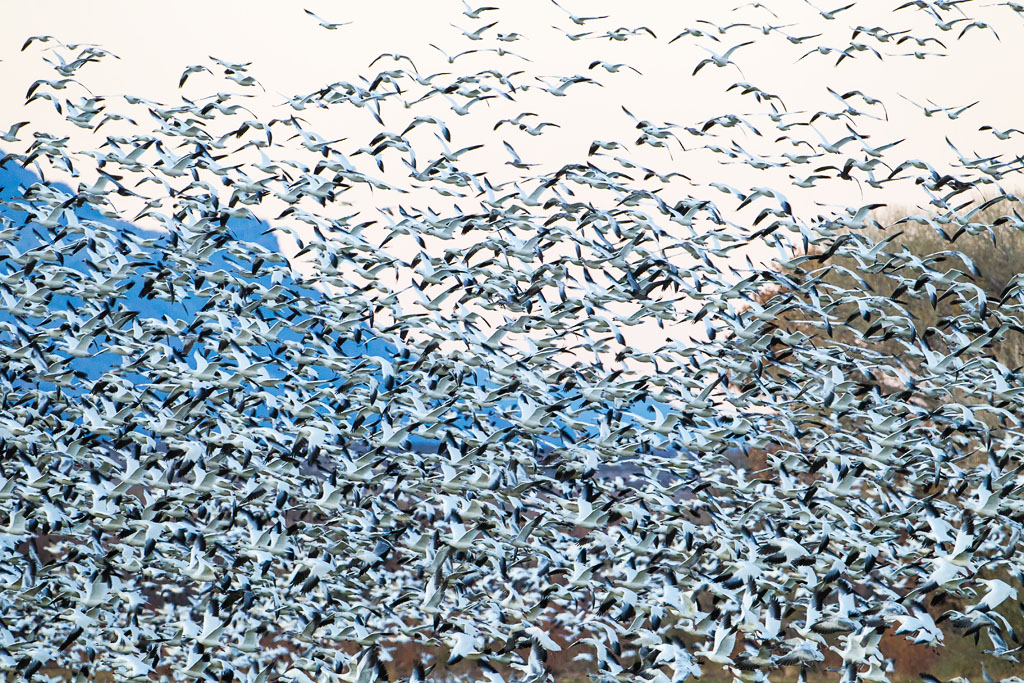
(578, 20)
(330, 26)
(12, 133)
(464, 645)
(721, 60)
(1001, 134)
(478, 33)
(998, 592)
(474, 13)
(830, 15)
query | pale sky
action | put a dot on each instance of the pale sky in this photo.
(292, 54)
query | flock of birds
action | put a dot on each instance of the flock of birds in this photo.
(435, 424)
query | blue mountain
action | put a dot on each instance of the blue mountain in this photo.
(14, 180)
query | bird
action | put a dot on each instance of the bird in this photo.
(330, 26)
(11, 135)
(835, 147)
(564, 83)
(516, 161)
(394, 56)
(478, 33)
(721, 60)
(467, 399)
(474, 13)
(932, 109)
(1002, 134)
(38, 39)
(578, 20)
(612, 68)
(194, 69)
(451, 58)
(830, 15)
